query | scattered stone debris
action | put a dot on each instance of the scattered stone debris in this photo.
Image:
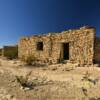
(53, 67)
(68, 69)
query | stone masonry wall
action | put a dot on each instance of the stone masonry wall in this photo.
(81, 46)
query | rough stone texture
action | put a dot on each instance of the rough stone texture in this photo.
(81, 46)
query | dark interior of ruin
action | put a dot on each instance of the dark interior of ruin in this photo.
(66, 51)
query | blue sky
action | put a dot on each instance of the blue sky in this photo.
(28, 17)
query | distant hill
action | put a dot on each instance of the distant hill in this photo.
(97, 49)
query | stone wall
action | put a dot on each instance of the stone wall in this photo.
(81, 46)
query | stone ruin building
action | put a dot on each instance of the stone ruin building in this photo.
(74, 46)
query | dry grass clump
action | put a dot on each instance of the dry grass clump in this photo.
(11, 53)
(87, 77)
(23, 81)
(88, 82)
(26, 82)
(29, 60)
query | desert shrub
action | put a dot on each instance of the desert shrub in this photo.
(10, 52)
(29, 59)
(23, 81)
(11, 55)
(86, 76)
(22, 58)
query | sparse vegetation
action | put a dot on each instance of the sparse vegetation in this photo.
(30, 59)
(25, 82)
(82, 83)
(86, 76)
(10, 52)
(11, 55)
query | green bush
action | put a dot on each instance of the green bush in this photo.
(10, 52)
(11, 55)
(29, 59)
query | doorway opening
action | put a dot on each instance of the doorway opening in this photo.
(65, 51)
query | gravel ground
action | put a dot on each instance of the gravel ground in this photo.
(54, 82)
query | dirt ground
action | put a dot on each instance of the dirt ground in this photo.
(51, 82)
